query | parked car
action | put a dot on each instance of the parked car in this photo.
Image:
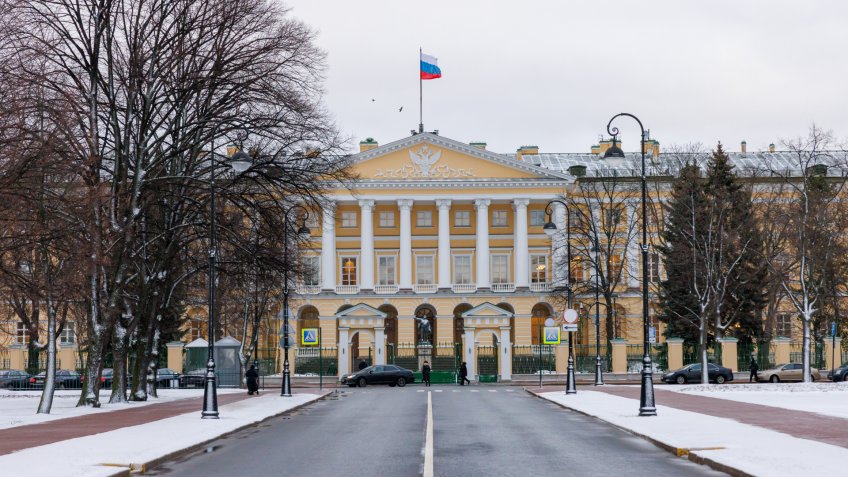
(164, 377)
(787, 372)
(839, 374)
(106, 378)
(692, 374)
(380, 374)
(195, 378)
(65, 379)
(13, 379)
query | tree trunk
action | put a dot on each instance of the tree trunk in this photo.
(119, 365)
(702, 344)
(46, 402)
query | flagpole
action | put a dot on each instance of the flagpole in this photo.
(420, 95)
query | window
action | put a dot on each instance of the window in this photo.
(577, 269)
(68, 335)
(500, 268)
(537, 218)
(386, 270)
(424, 218)
(462, 269)
(576, 219)
(499, 218)
(348, 219)
(784, 325)
(613, 264)
(538, 268)
(612, 216)
(424, 270)
(653, 267)
(195, 328)
(387, 218)
(21, 334)
(311, 270)
(462, 218)
(349, 270)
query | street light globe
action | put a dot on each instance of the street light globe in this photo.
(550, 229)
(240, 162)
(304, 231)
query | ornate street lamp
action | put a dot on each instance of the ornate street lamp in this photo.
(239, 163)
(303, 231)
(550, 228)
(646, 396)
(599, 374)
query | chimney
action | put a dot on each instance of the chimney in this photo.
(744, 147)
(478, 145)
(231, 151)
(596, 149)
(526, 150)
(605, 144)
(368, 144)
(771, 147)
(652, 147)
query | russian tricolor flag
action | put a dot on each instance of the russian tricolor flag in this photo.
(429, 67)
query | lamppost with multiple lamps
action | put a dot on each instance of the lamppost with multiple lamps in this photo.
(239, 163)
(303, 231)
(647, 406)
(550, 228)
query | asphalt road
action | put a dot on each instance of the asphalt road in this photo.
(477, 431)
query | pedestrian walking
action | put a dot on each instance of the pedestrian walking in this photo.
(252, 380)
(463, 374)
(362, 365)
(425, 372)
(754, 369)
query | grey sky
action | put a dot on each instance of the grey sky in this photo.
(552, 73)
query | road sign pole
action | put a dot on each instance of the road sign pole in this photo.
(541, 340)
(320, 362)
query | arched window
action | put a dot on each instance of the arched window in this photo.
(540, 313)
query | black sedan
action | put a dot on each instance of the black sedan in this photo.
(13, 379)
(380, 374)
(65, 379)
(195, 378)
(839, 374)
(692, 374)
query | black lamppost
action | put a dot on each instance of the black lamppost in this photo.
(285, 389)
(239, 163)
(646, 396)
(550, 228)
(599, 374)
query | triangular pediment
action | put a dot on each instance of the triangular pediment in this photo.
(361, 310)
(426, 156)
(487, 310)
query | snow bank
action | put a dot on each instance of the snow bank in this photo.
(822, 398)
(751, 449)
(17, 408)
(85, 456)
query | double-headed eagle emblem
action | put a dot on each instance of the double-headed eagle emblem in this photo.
(424, 159)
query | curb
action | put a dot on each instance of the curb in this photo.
(128, 470)
(690, 454)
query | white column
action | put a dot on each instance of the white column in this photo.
(444, 243)
(482, 242)
(634, 258)
(559, 269)
(380, 344)
(506, 355)
(328, 247)
(468, 353)
(366, 244)
(405, 267)
(344, 352)
(520, 253)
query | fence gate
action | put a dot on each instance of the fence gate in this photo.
(531, 359)
(487, 364)
(315, 361)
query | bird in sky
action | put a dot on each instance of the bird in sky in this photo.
(372, 100)
(401, 109)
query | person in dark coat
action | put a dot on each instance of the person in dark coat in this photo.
(425, 372)
(463, 374)
(362, 365)
(252, 380)
(754, 369)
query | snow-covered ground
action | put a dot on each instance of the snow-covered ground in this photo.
(86, 456)
(824, 398)
(751, 449)
(17, 408)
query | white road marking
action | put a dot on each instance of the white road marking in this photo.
(428, 441)
(510, 390)
(456, 390)
(420, 390)
(438, 390)
(475, 391)
(493, 390)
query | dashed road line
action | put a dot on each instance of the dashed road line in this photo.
(428, 441)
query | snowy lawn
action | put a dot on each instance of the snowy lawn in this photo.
(823, 398)
(85, 456)
(751, 449)
(17, 408)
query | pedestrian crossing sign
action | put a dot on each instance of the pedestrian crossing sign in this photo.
(551, 335)
(309, 336)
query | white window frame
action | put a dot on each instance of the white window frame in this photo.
(466, 218)
(195, 327)
(456, 278)
(418, 277)
(539, 213)
(349, 219)
(391, 279)
(68, 335)
(506, 278)
(356, 264)
(21, 333)
(500, 214)
(315, 270)
(654, 267)
(783, 320)
(386, 219)
(533, 267)
(424, 218)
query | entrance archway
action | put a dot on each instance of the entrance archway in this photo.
(358, 325)
(538, 315)
(425, 324)
(391, 330)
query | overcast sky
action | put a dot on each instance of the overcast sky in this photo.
(552, 73)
